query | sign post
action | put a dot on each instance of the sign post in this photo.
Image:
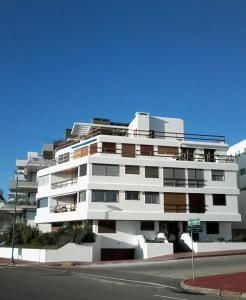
(194, 226)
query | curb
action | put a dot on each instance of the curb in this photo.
(208, 291)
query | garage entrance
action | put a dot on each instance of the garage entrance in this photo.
(117, 254)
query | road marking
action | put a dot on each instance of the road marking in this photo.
(174, 277)
(112, 278)
(169, 297)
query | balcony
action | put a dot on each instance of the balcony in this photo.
(63, 208)
(64, 183)
(23, 184)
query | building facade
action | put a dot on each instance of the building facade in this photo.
(136, 180)
(239, 151)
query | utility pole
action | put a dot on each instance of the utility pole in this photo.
(14, 219)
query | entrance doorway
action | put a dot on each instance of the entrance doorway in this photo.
(171, 230)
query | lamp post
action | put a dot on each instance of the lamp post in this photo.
(14, 219)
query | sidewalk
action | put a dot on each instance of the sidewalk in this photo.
(233, 285)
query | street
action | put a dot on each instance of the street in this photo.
(148, 280)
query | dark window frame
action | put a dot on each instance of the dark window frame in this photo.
(106, 226)
(219, 200)
(147, 225)
(212, 228)
(131, 194)
(128, 167)
(151, 172)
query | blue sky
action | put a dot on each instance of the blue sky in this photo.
(63, 61)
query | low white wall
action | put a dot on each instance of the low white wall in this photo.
(221, 246)
(69, 252)
(148, 250)
(37, 255)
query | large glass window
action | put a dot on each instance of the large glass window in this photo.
(83, 170)
(106, 226)
(195, 178)
(152, 198)
(63, 158)
(131, 195)
(43, 180)
(82, 196)
(218, 175)
(209, 155)
(105, 170)
(132, 169)
(151, 172)
(197, 203)
(42, 202)
(147, 225)
(104, 196)
(174, 177)
(219, 200)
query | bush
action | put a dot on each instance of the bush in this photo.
(29, 235)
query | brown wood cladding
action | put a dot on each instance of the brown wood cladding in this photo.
(93, 148)
(168, 150)
(128, 150)
(80, 152)
(108, 147)
(174, 202)
(146, 150)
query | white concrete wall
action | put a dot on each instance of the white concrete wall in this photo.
(220, 246)
(70, 252)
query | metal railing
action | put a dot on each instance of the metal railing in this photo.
(64, 183)
(60, 208)
(152, 134)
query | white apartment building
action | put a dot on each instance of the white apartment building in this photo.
(139, 179)
(239, 151)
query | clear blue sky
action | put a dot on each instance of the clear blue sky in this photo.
(63, 61)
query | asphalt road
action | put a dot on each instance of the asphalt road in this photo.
(153, 280)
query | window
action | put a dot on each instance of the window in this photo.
(219, 199)
(209, 155)
(167, 150)
(218, 175)
(128, 150)
(147, 225)
(43, 180)
(131, 169)
(105, 170)
(106, 226)
(187, 153)
(80, 152)
(146, 150)
(197, 203)
(93, 148)
(212, 228)
(151, 172)
(195, 178)
(42, 202)
(131, 195)
(174, 177)
(63, 158)
(174, 203)
(151, 197)
(108, 147)
(83, 170)
(82, 196)
(104, 196)
(242, 171)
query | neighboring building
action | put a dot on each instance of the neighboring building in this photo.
(138, 179)
(239, 151)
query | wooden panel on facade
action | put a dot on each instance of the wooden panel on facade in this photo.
(168, 150)
(93, 148)
(147, 150)
(84, 151)
(174, 202)
(108, 147)
(77, 154)
(128, 150)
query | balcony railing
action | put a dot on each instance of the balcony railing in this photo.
(61, 208)
(64, 183)
(23, 184)
(152, 134)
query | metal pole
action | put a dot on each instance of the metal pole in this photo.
(192, 255)
(14, 220)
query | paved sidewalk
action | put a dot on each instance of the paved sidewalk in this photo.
(233, 285)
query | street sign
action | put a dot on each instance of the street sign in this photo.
(194, 222)
(195, 229)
